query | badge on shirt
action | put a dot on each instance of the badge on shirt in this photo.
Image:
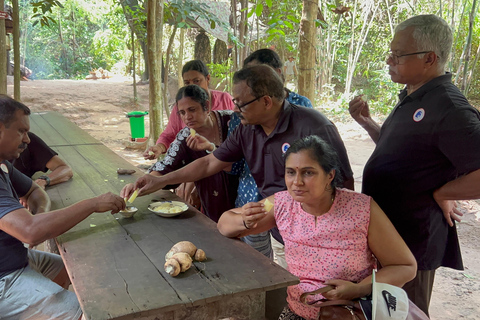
(285, 147)
(418, 115)
(4, 168)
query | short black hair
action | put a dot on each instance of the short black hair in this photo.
(262, 81)
(196, 65)
(194, 92)
(321, 152)
(8, 108)
(265, 56)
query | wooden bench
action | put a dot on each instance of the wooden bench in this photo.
(117, 264)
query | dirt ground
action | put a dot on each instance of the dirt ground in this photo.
(99, 107)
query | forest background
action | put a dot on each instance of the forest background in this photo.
(351, 41)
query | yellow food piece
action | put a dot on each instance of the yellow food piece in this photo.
(364, 98)
(151, 153)
(168, 208)
(267, 205)
(193, 132)
(133, 196)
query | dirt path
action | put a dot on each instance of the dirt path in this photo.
(99, 107)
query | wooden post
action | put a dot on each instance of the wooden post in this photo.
(3, 53)
(16, 51)
(306, 65)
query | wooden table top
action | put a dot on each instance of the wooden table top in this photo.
(117, 264)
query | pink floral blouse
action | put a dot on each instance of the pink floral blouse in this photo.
(332, 247)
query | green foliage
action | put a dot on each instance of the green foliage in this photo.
(41, 9)
(222, 73)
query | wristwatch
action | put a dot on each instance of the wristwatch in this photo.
(46, 178)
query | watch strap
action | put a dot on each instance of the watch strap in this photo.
(46, 178)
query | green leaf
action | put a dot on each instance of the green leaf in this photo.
(212, 24)
(269, 3)
(259, 9)
(288, 24)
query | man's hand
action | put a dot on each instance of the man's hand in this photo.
(154, 152)
(450, 211)
(359, 110)
(109, 202)
(42, 183)
(146, 185)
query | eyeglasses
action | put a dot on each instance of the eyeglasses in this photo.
(395, 57)
(245, 104)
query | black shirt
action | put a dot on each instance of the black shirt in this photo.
(35, 157)
(430, 138)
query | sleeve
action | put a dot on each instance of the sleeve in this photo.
(21, 185)
(178, 155)
(459, 138)
(174, 125)
(40, 153)
(231, 149)
(221, 100)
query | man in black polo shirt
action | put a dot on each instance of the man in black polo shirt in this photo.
(269, 125)
(427, 153)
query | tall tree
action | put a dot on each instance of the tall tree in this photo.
(307, 53)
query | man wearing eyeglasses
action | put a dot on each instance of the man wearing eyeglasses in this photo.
(427, 151)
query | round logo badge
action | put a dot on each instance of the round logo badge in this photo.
(418, 115)
(4, 168)
(285, 147)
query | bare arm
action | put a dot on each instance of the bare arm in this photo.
(360, 112)
(34, 229)
(198, 169)
(398, 265)
(231, 223)
(60, 172)
(463, 188)
(36, 199)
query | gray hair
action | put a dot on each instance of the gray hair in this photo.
(262, 80)
(431, 33)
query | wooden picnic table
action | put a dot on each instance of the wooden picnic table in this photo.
(116, 264)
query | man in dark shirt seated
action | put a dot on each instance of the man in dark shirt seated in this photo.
(40, 157)
(33, 283)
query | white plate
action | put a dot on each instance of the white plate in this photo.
(163, 208)
(129, 212)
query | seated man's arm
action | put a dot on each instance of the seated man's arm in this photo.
(60, 172)
(36, 199)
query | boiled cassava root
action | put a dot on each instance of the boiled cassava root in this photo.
(179, 258)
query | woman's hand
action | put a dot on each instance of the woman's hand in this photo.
(199, 143)
(345, 290)
(251, 213)
(127, 191)
(154, 151)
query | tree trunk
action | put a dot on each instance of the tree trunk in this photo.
(167, 71)
(220, 52)
(180, 58)
(203, 50)
(468, 46)
(154, 12)
(3, 54)
(16, 51)
(306, 65)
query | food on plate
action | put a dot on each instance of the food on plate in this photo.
(168, 207)
(186, 247)
(267, 205)
(172, 267)
(193, 132)
(184, 260)
(133, 196)
(128, 212)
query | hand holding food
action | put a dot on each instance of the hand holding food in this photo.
(267, 205)
(109, 202)
(133, 196)
(198, 142)
(154, 151)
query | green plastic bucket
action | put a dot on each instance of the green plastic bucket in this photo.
(137, 123)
